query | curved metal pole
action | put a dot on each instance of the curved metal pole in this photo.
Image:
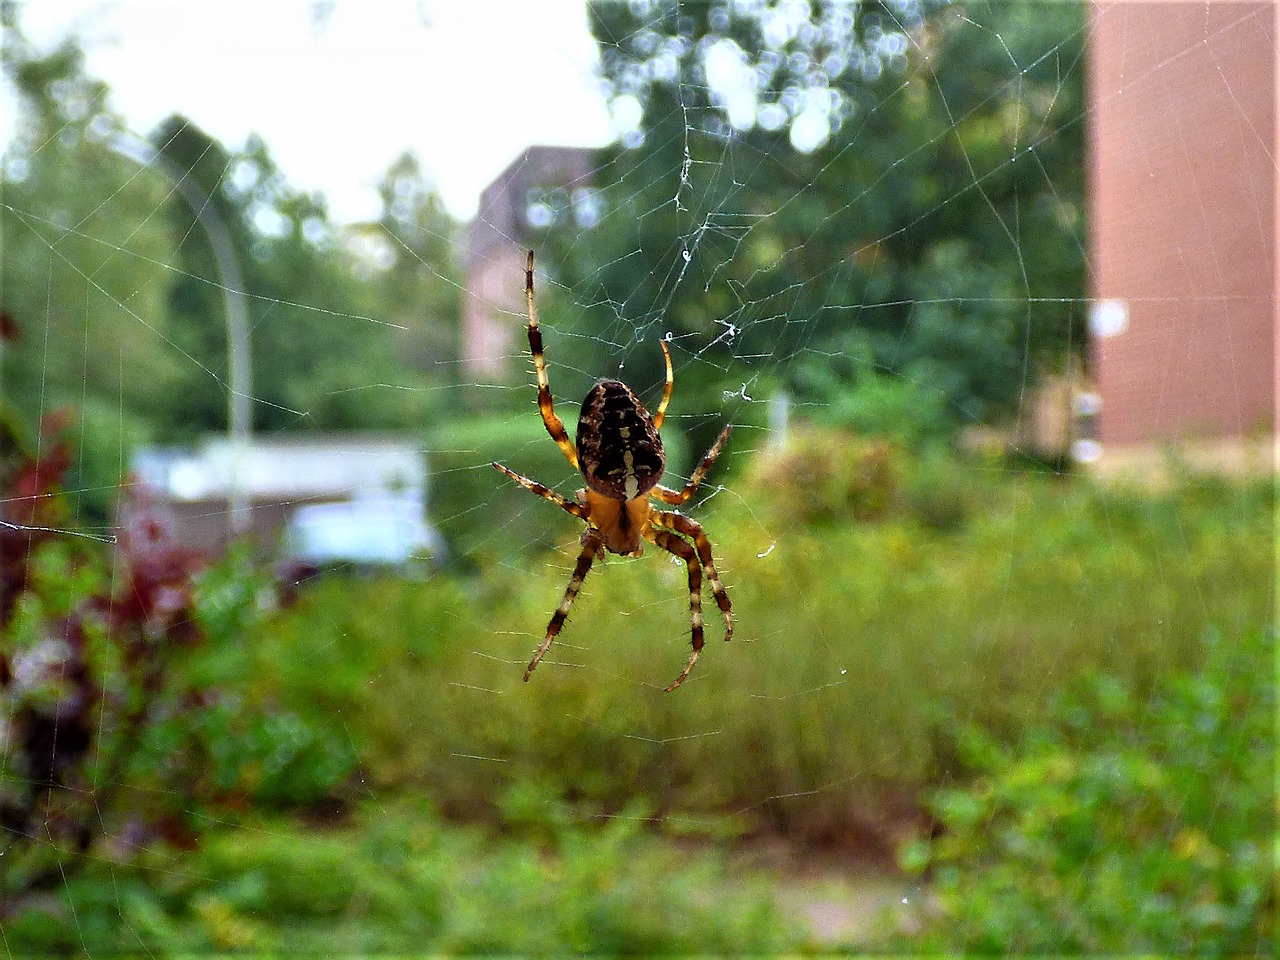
(240, 374)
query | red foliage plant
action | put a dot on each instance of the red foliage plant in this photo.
(58, 699)
(30, 513)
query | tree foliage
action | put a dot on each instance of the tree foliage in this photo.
(333, 319)
(118, 305)
(83, 276)
(889, 190)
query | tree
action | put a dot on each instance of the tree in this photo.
(83, 275)
(327, 347)
(410, 256)
(117, 306)
(884, 190)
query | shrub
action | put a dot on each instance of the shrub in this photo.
(822, 475)
(122, 693)
(903, 409)
(395, 878)
(1127, 824)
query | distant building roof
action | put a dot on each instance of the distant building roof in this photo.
(283, 469)
(500, 219)
(493, 266)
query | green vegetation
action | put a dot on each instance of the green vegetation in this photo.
(125, 719)
(846, 694)
(1123, 824)
(393, 877)
(916, 657)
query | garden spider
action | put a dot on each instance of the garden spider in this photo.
(620, 456)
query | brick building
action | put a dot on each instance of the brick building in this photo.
(1183, 246)
(542, 184)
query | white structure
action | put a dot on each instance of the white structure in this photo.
(330, 498)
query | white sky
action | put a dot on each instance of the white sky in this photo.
(483, 80)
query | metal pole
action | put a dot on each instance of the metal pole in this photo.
(240, 373)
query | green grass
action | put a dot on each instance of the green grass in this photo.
(395, 878)
(861, 650)
(485, 814)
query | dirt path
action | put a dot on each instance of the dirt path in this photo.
(854, 910)
(844, 903)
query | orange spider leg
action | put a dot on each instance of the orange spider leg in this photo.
(590, 547)
(554, 426)
(666, 391)
(568, 506)
(677, 497)
(693, 530)
(674, 545)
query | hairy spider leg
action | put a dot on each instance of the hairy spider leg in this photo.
(591, 545)
(666, 391)
(672, 544)
(545, 407)
(677, 497)
(568, 506)
(693, 530)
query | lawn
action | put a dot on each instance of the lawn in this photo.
(917, 635)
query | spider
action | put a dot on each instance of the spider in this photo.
(620, 456)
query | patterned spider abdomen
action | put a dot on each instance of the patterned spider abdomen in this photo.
(619, 450)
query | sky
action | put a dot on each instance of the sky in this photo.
(485, 79)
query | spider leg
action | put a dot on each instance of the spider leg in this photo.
(590, 547)
(693, 530)
(672, 544)
(677, 497)
(568, 506)
(554, 426)
(666, 391)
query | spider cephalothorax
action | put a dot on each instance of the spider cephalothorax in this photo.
(619, 454)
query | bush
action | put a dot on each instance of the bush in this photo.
(123, 708)
(856, 645)
(820, 476)
(395, 878)
(1127, 824)
(823, 475)
(900, 408)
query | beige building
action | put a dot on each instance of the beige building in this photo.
(540, 186)
(1183, 198)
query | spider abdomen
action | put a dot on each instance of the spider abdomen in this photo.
(619, 450)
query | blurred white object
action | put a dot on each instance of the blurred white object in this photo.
(381, 530)
(321, 499)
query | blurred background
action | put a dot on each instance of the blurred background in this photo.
(987, 291)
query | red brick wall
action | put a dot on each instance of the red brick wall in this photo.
(1183, 167)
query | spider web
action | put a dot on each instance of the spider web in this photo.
(720, 219)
